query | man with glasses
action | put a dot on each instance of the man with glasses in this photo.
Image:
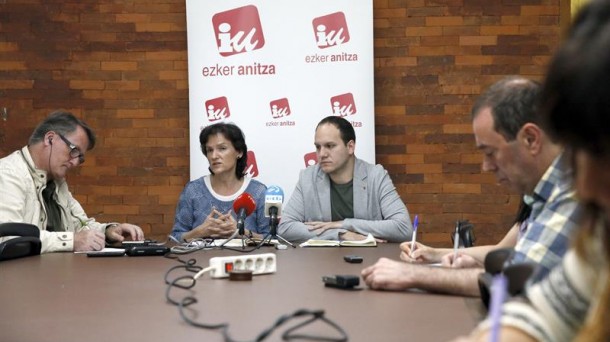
(33, 188)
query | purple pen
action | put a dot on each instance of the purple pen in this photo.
(499, 285)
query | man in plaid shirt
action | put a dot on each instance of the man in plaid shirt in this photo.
(523, 158)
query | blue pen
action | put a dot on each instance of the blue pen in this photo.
(415, 222)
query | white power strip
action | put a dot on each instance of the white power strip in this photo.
(257, 263)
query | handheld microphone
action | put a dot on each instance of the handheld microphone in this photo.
(243, 206)
(274, 197)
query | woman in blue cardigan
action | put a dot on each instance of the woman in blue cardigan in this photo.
(205, 208)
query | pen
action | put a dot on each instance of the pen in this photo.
(415, 222)
(499, 286)
(456, 240)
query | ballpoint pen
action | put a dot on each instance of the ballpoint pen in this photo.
(456, 240)
(413, 237)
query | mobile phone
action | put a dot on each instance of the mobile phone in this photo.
(341, 281)
(147, 250)
(353, 259)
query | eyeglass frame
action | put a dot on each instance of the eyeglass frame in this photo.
(80, 155)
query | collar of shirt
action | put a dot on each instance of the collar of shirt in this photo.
(544, 189)
(38, 176)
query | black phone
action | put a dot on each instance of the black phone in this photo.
(26, 243)
(353, 259)
(341, 281)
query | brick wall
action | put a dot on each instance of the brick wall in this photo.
(432, 58)
(122, 66)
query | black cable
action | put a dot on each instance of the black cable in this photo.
(189, 268)
(243, 250)
(287, 336)
(208, 245)
(187, 282)
(315, 315)
(187, 301)
(174, 283)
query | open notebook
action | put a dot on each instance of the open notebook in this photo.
(368, 242)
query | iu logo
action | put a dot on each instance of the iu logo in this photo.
(311, 158)
(238, 30)
(251, 166)
(343, 105)
(279, 108)
(217, 109)
(330, 30)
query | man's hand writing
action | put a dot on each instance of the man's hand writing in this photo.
(421, 254)
(461, 261)
(88, 240)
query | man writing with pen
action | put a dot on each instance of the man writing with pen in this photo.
(33, 188)
(523, 158)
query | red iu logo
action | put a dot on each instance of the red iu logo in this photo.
(311, 158)
(238, 30)
(279, 108)
(251, 166)
(343, 105)
(330, 30)
(217, 109)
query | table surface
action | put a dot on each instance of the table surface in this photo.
(72, 297)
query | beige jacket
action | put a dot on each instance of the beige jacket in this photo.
(21, 200)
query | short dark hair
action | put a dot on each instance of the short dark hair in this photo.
(345, 128)
(63, 123)
(576, 95)
(232, 133)
(513, 102)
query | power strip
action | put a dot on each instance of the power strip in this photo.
(257, 263)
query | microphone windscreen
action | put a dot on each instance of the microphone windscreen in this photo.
(274, 196)
(246, 202)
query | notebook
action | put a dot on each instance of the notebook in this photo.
(368, 242)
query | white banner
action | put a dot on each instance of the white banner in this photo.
(276, 68)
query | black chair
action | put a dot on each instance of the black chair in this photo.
(25, 244)
(465, 232)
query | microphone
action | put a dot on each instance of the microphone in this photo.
(243, 206)
(274, 197)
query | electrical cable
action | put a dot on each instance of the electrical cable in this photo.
(244, 250)
(208, 244)
(187, 282)
(193, 246)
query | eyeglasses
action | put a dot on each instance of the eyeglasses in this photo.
(74, 151)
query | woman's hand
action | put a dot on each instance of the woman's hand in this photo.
(216, 225)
